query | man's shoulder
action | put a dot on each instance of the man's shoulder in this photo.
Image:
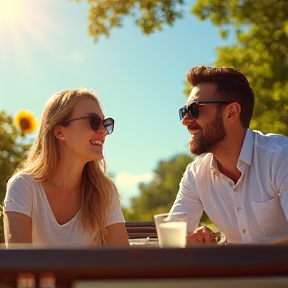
(271, 141)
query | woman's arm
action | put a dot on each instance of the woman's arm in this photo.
(116, 234)
(17, 228)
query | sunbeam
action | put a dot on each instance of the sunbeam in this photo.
(12, 12)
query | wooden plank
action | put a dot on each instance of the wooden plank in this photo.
(144, 262)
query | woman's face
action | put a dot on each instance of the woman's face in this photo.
(80, 141)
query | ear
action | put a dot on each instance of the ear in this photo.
(59, 133)
(233, 112)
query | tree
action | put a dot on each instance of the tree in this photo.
(12, 153)
(158, 195)
(150, 15)
(261, 30)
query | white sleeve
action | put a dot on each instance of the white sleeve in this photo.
(114, 213)
(18, 195)
(187, 200)
(284, 197)
(281, 176)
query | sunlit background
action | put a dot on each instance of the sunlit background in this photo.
(45, 48)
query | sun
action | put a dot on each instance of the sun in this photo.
(12, 11)
(22, 23)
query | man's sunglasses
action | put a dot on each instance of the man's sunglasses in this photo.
(193, 108)
(95, 122)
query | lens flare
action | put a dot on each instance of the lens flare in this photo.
(11, 11)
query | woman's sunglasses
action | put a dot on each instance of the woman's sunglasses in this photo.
(95, 122)
(193, 108)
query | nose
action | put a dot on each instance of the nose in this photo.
(187, 120)
(102, 129)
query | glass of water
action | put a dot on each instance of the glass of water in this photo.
(171, 229)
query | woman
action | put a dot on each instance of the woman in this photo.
(62, 195)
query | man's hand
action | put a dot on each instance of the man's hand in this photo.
(202, 235)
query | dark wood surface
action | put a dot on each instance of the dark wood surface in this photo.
(66, 266)
(141, 230)
(69, 265)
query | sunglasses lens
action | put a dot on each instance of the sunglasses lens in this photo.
(182, 112)
(109, 125)
(94, 122)
(193, 110)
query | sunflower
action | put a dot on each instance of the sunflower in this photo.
(25, 120)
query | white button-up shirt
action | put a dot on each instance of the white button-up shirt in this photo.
(255, 209)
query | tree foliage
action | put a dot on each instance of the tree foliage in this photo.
(261, 52)
(260, 30)
(149, 15)
(12, 153)
(158, 195)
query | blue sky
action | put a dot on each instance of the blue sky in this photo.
(45, 48)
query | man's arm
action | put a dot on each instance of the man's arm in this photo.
(187, 200)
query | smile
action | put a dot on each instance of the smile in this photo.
(195, 131)
(96, 142)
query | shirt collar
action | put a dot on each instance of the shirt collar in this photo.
(213, 163)
(246, 153)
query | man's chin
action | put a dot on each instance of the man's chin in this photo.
(193, 148)
(196, 150)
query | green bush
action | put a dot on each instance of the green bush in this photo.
(13, 150)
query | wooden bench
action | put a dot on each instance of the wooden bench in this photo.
(141, 230)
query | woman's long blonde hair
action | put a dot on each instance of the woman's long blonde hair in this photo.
(45, 154)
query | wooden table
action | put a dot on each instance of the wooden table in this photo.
(145, 262)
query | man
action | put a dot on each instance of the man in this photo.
(240, 176)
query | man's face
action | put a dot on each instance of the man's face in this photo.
(208, 137)
(207, 131)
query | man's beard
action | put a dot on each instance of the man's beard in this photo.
(208, 141)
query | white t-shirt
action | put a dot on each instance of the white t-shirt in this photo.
(26, 195)
(255, 209)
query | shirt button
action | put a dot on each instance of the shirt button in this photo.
(239, 209)
(243, 231)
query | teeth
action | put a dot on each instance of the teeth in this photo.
(95, 142)
(194, 131)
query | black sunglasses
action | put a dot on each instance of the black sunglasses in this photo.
(193, 110)
(95, 122)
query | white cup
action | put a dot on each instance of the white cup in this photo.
(172, 229)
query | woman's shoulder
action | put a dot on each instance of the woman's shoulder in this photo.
(20, 194)
(21, 178)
